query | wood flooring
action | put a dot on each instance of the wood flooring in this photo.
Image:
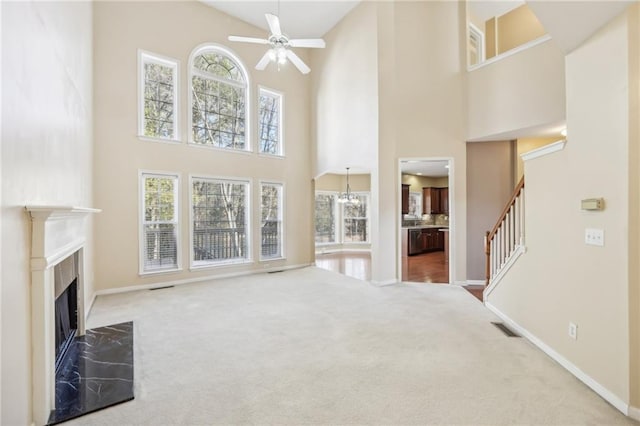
(423, 268)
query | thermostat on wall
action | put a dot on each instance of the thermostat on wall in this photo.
(592, 204)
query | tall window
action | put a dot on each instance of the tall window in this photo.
(158, 97)
(476, 45)
(219, 113)
(270, 122)
(325, 218)
(220, 221)
(356, 221)
(159, 222)
(271, 221)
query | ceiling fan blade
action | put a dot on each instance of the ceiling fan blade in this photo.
(249, 39)
(274, 24)
(264, 61)
(307, 42)
(295, 60)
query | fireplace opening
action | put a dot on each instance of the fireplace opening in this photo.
(66, 312)
(66, 306)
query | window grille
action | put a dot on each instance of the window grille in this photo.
(159, 97)
(356, 221)
(325, 218)
(220, 221)
(159, 222)
(270, 122)
(218, 100)
(271, 221)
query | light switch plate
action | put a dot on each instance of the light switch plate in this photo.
(594, 237)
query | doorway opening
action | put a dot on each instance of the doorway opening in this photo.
(426, 225)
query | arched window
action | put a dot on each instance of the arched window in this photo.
(219, 99)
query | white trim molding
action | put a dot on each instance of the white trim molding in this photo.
(634, 413)
(384, 283)
(519, 251)
(605, 393)
(515, 50)
(57, 232)
(544, 150)
(160, 284)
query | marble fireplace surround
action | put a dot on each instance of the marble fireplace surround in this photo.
(57, 232)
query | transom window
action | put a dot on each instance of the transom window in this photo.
(220, 219)
(270, 122)
(158, 97)
(219, 111)
(159, 222)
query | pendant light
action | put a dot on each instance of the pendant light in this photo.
(348, 197)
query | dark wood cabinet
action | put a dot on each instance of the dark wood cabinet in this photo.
(425, 240)
(405, 199)
(444, 200)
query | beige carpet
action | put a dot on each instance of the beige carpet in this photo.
(314, 347)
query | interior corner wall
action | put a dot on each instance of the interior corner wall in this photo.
(344, 87)
(634, 204)
(517, 27)
(427, 102)
(524, 145)
(489, 188)
(46, 159)
(560, 279)
(174, 30)
(524, 90)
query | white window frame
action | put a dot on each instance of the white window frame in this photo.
(196, 265)
(203, 48)
(281, 214)
(336, 215)
(280, 96)
(145, 57)
(142, 175)
(478, 35)
(367, 196)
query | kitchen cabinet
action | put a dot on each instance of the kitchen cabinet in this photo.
(444, 201)
(405, 199)
(435, 200)
(424, 240)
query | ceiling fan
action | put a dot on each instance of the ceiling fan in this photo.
(280, 46)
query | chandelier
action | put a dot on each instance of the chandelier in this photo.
(348, 197)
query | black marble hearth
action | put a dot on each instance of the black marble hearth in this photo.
(97, 372)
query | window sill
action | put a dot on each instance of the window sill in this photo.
(272, 259)
(217, 148)
(212, 265)
(159, 272)
(161, 140)
(274, 156)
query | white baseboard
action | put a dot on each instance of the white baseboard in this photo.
(634, 413)
(384, 283)
(572, 368)
(343, 250)
(159, 284)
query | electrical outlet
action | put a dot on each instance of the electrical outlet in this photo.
(594, 237)
(573, 331)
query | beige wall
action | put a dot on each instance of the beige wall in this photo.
(46, 159)
(491, 38)
(120, 154)
(634, 205)
(344, 87)
(560, 279)
(525, 145)
(518, 27)
(489, 187)
(335, 182)
(518, 92)
(429, 114)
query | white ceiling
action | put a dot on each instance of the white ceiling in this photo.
(484, 10)
(425, 168)
(298, 18)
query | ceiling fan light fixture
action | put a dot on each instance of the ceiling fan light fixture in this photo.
(272, 54)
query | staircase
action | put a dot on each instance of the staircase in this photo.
(505, 242)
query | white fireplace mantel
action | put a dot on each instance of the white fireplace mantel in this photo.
(57, 232)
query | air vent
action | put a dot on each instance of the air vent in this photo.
(161, 288)
(506, 330)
